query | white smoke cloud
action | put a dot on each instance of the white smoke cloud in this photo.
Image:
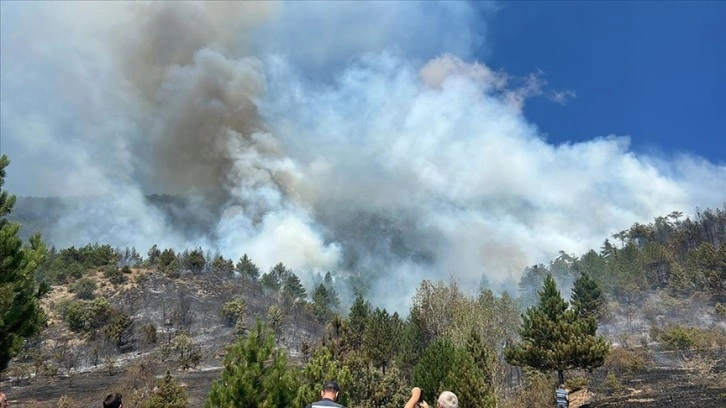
(321, 38)
(348, 137)
(465, 164)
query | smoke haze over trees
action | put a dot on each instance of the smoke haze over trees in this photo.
(178, 306)
(392, 157)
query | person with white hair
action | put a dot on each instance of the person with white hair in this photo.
(447, 399)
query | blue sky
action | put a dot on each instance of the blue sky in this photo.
(653, 70)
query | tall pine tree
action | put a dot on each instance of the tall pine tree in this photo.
(322, 367)
(247, 268)
(20, 312)
(554, 338)
(587, 298)
(255, 374)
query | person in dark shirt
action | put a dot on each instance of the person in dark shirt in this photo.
(329, 395)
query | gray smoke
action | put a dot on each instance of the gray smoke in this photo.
(347, 138)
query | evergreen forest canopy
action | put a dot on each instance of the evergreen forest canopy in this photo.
(449, 340)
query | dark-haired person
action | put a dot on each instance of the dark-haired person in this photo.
(329, 394)
(113, 401)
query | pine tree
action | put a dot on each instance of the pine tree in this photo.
(293, 290)
(553, 338)
(166, 257)
(222, 266)
(152, 256)
(168, 394)
(379, 339)
(255, 374)
(372, 387)
(321, 367)
(195, 261)
(410, 346)
(20, 313)
(247, 268)
(587, 298)
(274, 279)
(483, 356)
(628, 277)
(321, 303)
(358, 316)
(470, 382)
(333, 301)
(433, 368)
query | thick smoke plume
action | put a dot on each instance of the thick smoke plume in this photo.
(305, 134)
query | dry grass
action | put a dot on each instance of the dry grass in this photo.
(537, 391)
(701, 368)
(623, 359)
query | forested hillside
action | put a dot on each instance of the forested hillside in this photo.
(681, 255)
(128, 315)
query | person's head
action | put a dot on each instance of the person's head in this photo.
(562, 386)
(113, 401)
(4, 400)
(331, 390)
(448, 399)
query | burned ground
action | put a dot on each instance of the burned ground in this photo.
(646, 388)
(192, 305)
(662, 387)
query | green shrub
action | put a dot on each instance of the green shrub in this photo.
(88, 316)
(678, 338)
(114, 330)
(720, 310)
(166, 257)
(168, 394)
(189, 353)
(142, 278)
(624, 359)
(172, 270)
(84, 288)
(233, 310)
(612, 384)
(149, 334)
(114, 275)
(576, 383)
(687, 338)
